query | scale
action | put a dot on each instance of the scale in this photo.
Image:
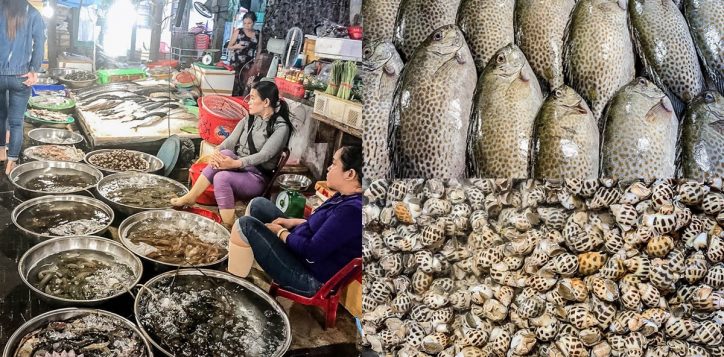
(208, 56)
(291, 201)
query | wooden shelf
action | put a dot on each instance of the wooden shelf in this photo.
(341, 126)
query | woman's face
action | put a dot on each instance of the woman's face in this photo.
(256, 103)
(336, 174)
(248, 24)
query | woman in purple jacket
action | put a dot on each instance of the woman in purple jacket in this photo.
(301, 255)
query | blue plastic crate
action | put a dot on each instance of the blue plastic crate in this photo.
(43, 87)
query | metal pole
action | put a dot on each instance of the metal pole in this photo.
(156, 31)
(52, 37)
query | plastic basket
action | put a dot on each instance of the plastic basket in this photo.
(219, 115)
(106, 76)
(290, 88)
(46, 87)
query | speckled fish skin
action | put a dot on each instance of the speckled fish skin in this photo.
(540, 27)
(488, 27)
(598, 55)
(506, 105)
(379, 18)
(432, 108)
(703, 137)
(640, 133)
(706, 24)
(666, 49)
(567, 138)
(417, 19)
(380, 73)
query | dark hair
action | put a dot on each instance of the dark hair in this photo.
(249, 15)
(14, 11)
(351, 157)
(269, 90)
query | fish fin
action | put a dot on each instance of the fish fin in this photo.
(395, 170)
(473, 168)
(566, 48)
(678, 104)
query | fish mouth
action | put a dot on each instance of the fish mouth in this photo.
(580, 107)
(459, 56)
(525, 77)
(373, 65)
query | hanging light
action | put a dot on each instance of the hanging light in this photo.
(47, 10)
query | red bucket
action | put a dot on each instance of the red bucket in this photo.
(207, 198)
(219, 115)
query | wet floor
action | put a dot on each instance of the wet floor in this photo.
(18, 304)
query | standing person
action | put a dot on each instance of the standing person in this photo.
(22, 40)
(242, 45)
(246, 159)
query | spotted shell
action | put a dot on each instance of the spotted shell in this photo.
(715, 276)
(590, 262)
(713, 203)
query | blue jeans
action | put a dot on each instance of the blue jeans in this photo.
(271, 253)
(14, 96)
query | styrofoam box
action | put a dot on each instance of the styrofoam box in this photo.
(338, 48)
(214, 81)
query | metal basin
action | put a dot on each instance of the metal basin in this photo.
(31, 153)
(178, 220)
(155, 164)
(139, 181)
(66, 244)
(55, 136)
(49, 205)
(77, 84)
(254, 301)
(30, 170)
(65, 314)
(294, 182)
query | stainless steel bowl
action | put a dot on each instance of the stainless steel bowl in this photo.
(155, 164)
(48, 202)
(64, 244)
(294, 182)
(59, 72)
(36, 168)
(47, 135)
(253, 289)
(181, 220)
(30, 155)
(65, 314)
(130, 179)
(77, 84)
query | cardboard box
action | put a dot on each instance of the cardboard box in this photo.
(351, 298)
(217, 81)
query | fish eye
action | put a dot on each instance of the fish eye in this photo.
(642, 81)
(437, 36)
(500, 58)
(709, 97)
(367, 52)
(558, 93)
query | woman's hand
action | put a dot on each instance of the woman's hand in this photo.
(32, 78)
(220, 161)
(288, 223)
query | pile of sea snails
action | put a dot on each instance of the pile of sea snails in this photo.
(119, 160)
(529, 268)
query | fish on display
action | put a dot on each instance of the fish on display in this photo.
(666, 49)
(567, 138)
(155, 117)
(706, 23)
(431, 109)
(598, 56)
(379, 17)
(507, 101)
(640, 135)
(540, 26)
(418, 19)
(381, 68)
(702, 147)
(488, 27)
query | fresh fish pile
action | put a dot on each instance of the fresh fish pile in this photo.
(78, 227)
(544, 268)
(57, 183)
(89, 335)
(58, 141)
(703, 137)
(80, 76)
(207, 316)
(50, 101)
(54, 153)
(141, 191)
(177, 246)
(81, 275)
(119, 160)
(48, 115)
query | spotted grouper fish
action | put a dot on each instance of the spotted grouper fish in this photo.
(641, 132)
(379, 18)
(702, 147)
(666, 49)
(507, 101)
(706, 24)
(540, 26)
(417, 19)
(432, 108)
(381, 69)
(598, 56)
(488, 27)
(567, 138)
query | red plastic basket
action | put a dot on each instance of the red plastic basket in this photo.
(219, 115)
(202, 41)
(291, 88)
(207, 198)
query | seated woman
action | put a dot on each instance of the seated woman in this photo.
(244, 162)
(301, 255)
